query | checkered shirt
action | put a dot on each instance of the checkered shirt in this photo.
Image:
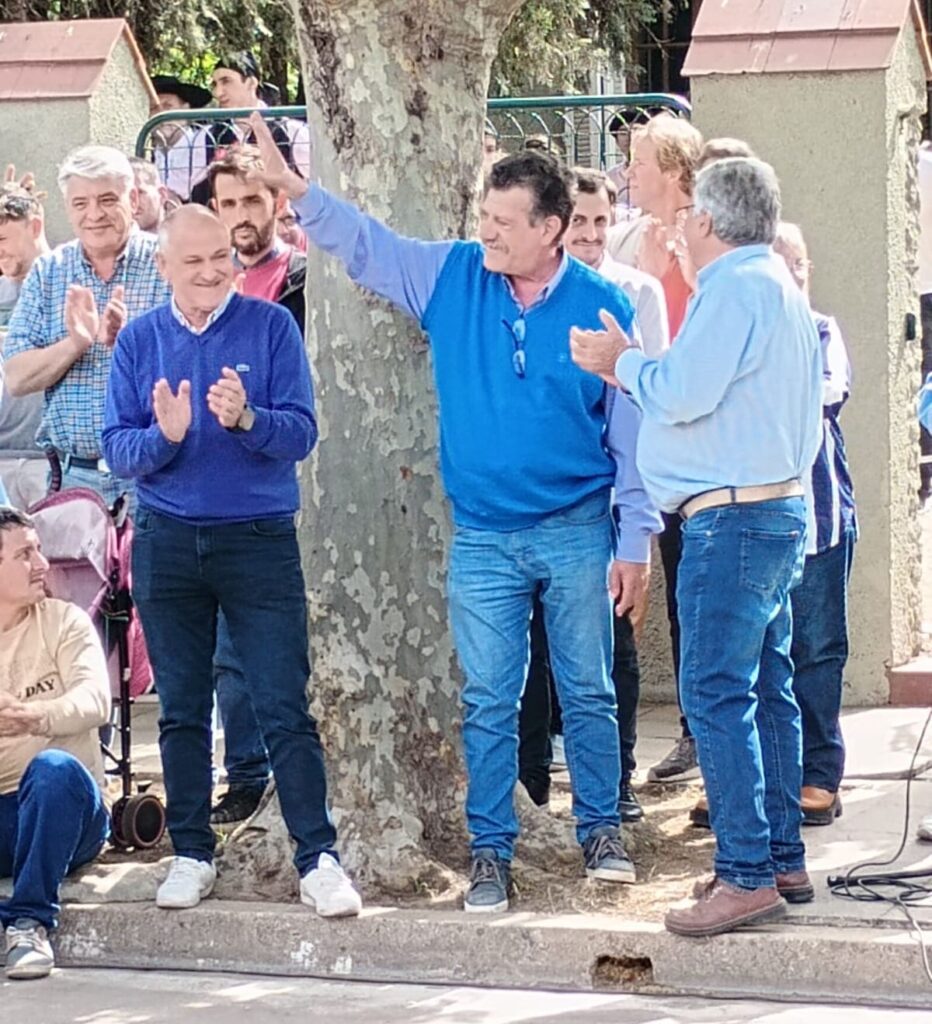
(74, 407)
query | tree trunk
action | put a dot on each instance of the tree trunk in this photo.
(396, 95)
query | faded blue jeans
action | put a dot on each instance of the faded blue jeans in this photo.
(491, 584)
(738, 566)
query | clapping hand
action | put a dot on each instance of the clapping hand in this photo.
(172, 412)
(275, 173)
(82, 320)
(114, 318)
(598, 351)
(227, 398)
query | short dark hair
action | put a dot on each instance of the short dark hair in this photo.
(592, 182)
(239, 162)
(550, 183)
(10, 518)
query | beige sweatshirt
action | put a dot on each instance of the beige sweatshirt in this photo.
(54, 659)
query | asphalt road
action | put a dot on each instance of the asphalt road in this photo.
(154, 997)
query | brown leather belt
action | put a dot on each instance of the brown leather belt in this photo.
(740, 496)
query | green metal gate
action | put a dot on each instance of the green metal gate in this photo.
(588, 130)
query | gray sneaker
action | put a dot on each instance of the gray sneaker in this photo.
(605, 857)
(28, 953)
(488, 883)
(680, 765)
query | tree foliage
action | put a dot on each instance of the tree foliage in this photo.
(550, 44)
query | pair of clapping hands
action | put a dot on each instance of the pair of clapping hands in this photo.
(19, 719)
(226, 399)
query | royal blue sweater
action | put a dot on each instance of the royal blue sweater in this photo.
(214, 475)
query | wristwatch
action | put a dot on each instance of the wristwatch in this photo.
(246, 421)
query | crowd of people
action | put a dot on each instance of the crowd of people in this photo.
(611, 367)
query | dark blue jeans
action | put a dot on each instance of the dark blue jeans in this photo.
(182, 575)
(738, 566)
(55, 822)
(245, 760)
(819, 652)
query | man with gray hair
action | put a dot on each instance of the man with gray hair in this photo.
(72, 305)
(732, 423)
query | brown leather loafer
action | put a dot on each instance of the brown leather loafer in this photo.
(723, 907)
(699, 815)
(793, 886)
(820, 806)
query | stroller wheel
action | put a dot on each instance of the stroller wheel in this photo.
(138, 821)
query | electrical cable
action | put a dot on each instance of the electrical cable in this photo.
(862, 886)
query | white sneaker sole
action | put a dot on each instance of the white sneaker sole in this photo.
(25, 972)
(491, 908)
(167, 903)
(612, 875)
(348, 909)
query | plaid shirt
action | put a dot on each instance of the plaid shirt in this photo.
(74, 407)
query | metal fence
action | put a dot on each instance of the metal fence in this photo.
(592, 131)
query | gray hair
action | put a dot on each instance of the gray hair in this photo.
(94, 163)
(742, 196)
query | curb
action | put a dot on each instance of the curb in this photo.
(864, 965)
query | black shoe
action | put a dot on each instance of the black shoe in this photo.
(605, 857)
(628, 805)
(538, 790)
(237, 804)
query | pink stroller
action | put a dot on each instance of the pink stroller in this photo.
(88, 548)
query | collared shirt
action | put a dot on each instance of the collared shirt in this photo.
(180, 164)
(406, 271)
(650, 307)
(832, 513)
(737, 401)
(74, 406)
(212, 317)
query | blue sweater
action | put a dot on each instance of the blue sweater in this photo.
(214, 475)
(514, 449)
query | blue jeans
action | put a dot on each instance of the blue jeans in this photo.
(819, 653)
(55, 822)
(738, 566)
(245, 758)
(182, 575)
(492, 580)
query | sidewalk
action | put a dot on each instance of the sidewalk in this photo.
(832, 949)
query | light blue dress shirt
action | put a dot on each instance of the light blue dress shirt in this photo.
(737, 400)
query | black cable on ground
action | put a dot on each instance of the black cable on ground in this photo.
(865, 886)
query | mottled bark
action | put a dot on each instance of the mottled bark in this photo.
(396, 96)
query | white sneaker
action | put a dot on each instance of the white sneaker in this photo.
(924, 831)
(329, 891)
(188, 882)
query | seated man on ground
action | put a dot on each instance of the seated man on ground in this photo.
(54, 694)
(209, 407)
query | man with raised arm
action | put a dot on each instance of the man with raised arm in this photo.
(498, 313)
